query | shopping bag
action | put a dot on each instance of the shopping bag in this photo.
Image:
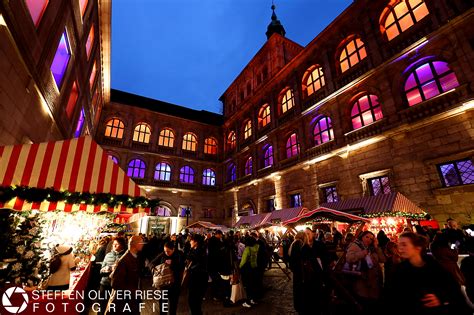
(238, 293)
(162, 276)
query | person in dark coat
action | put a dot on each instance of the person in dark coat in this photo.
(420, 285)
(172, 257)
(215, 250)
(447, 256)
(197, 270)
(294, 254)
(467, 269)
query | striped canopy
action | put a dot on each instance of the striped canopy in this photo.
(75, 165)
(325, 213)
(252, 221)
(277, 217)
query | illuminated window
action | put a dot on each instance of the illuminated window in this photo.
(36, 9)
(208, 177)
(292, 146)
(352, 53)
(264, 117)
(189, 142)
(210, 146)
(248, 129)
(163, 211)
(323, 131)
(113, 158)
(330, 194)
(114, 128)
(71, 103)
(231, 142)
(365, 111)
(379, 185)
(163, 172)
(136, 169)
(142, 133)
(268, 156)
(457, 173)
(61, 60)
(314, 79)
(295, 200)
(231, 173)
(429, 80)
(401, 15)
(90, 42)
(166, 138)
(248, 166)
(92, 77)
(80, 124)
(287, 101)
(83, 5)
(186, 175)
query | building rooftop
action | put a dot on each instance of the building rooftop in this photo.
(202, 116)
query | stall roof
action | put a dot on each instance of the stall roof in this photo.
(326, 213)
(381, 204)
(252, 220)
(282, 215)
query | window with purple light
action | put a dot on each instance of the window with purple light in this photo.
(61, 60)
(457, 173)
(323, 131)
(163, 172)
(80, 124)
(365, 111)
(268, 157)
(162, 211)
(136, 169)
(113, 158)
(248, 166)
(186, 175)
(379, 185)
(292, 146)
(36, 9)
(428, 81)
(208, 177)
(330, 194)
(231, 173)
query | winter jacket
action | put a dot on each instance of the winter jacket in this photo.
(250, 255)
(109, 260)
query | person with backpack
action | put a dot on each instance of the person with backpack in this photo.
(249, 269)
(61, 265)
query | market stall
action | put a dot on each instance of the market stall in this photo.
(273, 222)
(68, 190)
(388, 212)
(250, 222)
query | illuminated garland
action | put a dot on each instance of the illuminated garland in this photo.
(32, 194)
(419, 216)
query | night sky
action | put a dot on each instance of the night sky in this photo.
(188, 52)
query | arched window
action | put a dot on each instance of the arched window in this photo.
(428, 80)
(365, 111)
(142, 133)
(400, 15)
(268, 156)
(323, 131)
(186, 174)
(249, 166)
(189, 142)
(208, 177)
(292, 146)
(162, 211)
(113, 158)
(352, 53)
(210, 146)
(163, 172)
(264, 117)
(248, 129)
(231, 173)
(136, 169)
(231, 140)
(287, 101)
(313, 80)
(114, 128)
(166, 138)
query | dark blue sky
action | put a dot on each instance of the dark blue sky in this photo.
(188, 52)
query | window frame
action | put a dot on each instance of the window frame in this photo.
(286, 101)
(390, 11)
(456, 168)
(166, 136)
(330, 130)
(120, 127)
(371, 109)
(248, 170)
(167, 171)
(210, 146)
(231, 173)
(247, 129)
(231, 140)
(140, 136)
(333, 193)
(208, 176)
(379, 178)
(140, 169)
(320, 78)
(348, 56)
(296, 202)
(191, 143)
(268, 157)
(186, 175)
(264, 116)
(289, 149)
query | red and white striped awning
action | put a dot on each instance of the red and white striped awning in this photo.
(282, 215)
(252, 221)
(325, 213)
(75, 165)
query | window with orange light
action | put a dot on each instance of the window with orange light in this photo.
(189, 142)
(210, 146)
(114, 128)
(248, 129)
(83, 6)
(142, 133)
(314, 79)
(264, 117)
(166, 138)
(287, 101)
(90, 42)
(231, 141)
(352, 53)
(401, 15)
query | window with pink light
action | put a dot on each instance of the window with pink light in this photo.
(429, 80)
(61, 60)
(323, 131)
(92, 77)
(36, 9)
(248, 166)
(292, 146)
(71, 103)
(365, 111)
(90, 42)
(83, 5)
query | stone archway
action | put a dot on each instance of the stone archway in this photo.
(165, 209)
(247, 208)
